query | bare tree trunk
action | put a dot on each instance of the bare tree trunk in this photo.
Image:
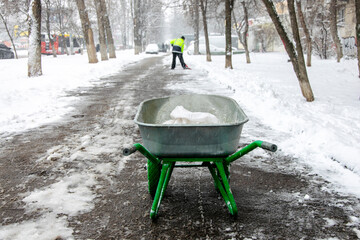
(203, 6)
(47, 4)
(34, 59)
(137, 37)
(246, 47)
(334, 30)
(300, 71)
(306, 32)
(228, 47)
(135, 12)
(102, 39)
(64, 44)
(196, 27)
(123, 23)
(88, 33)
(8, 32)
(109, 36)
(304, 79)
(71, 40)
(357, 30)
(238, 28)
(60, 15)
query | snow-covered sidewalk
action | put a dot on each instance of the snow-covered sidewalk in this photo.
(29, 102)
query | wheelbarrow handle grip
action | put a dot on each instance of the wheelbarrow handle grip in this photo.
(128, 151)
(269, 146)
(264, 145)
(138, 147)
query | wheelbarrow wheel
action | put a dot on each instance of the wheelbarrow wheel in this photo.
(154, 171)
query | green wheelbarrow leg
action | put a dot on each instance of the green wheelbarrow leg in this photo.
(166, 171)
(226, 184)
(224, 187)
(168, 176)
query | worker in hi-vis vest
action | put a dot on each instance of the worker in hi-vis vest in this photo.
(177, 51)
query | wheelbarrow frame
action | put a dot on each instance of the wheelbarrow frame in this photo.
(160, 170)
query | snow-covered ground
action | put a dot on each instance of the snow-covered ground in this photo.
(323, 134)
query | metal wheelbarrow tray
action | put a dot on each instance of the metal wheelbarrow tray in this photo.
(174, 140)
(213, 145)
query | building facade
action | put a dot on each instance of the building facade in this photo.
(346, 26)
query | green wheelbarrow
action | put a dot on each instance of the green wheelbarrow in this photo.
(214, 146)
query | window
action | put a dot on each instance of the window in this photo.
(341, 15)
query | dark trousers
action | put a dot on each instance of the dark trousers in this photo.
(180, 56)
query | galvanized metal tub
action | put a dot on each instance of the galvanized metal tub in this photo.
(204, 140)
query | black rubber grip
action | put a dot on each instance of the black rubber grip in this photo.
(269, 146)
(128, 151)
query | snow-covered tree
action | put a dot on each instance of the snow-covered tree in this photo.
(306, 31)
(62, 12)
(5, 22)
(47, 17)
(191, 10)
(87, 31)
(108, 31)
(228, 47)
(334, 29)
(295, 53)
(204, 8)
(216, 16)
(101, 29)
(147, 18)
(196, 26)
(321, 31)
(322, 26)
(136, 10)
(242, 26)
(121, 23)
(13, 15)
(357, 30)
(34, 58)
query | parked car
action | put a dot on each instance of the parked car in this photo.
(152, 49)
(6, 52)
(163, 47)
